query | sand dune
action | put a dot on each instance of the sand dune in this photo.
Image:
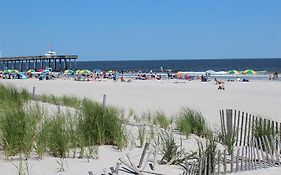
(258, 98)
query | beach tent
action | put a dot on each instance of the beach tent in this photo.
(232, 72)
(249, 71)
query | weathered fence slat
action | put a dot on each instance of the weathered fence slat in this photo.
(245, 130)
(237, 160)
(219, 161)
(241, 129)
(242, 159)
(224, 162)
(238, 127)
(249, 129)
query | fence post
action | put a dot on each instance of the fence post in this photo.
(33, 92)
(237, 160)
(104, 100)
(143, 154)
(224, 162)
(219, 158)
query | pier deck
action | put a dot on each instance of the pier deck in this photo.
(56, 62)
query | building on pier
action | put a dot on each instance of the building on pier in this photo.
(49, 60)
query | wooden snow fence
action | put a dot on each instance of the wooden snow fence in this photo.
(263, 152)
(256, 144)
(244, 127)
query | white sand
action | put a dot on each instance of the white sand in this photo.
(258, 98)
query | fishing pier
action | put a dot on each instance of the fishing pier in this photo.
(56, 62)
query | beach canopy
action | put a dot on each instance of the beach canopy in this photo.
(232, 72)
(249, 71)
(11, 71)
(68, 71)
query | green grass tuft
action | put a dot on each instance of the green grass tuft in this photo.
(191, 122)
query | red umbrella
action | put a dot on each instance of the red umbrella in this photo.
(40, 70)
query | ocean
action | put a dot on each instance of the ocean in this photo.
(202, 65)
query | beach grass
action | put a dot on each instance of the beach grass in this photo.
(191, 122)
(169, 148)
(101, 125)
(58, 136)
(17, 131)
(162, 120)
(141, 135)
(206, 153)
(70, 101)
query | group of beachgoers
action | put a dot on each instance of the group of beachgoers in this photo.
(129, 76)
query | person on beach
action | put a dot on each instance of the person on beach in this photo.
(221, 86)
(122, 79)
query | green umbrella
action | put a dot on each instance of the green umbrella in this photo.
(11, 71)
(232, 72)
(85, 72)
(30, 71)
(68, 71)
(249, 71)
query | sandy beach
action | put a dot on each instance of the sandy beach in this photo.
(258, 98)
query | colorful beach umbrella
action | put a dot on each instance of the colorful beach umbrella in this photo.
(85, 72)
(40, 70)
(68, 71)
(179, 74)
(232, 72)
(11, 71)
(249, 71)
(30, 71)
(77, 71)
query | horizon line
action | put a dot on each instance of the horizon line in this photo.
(193, 59)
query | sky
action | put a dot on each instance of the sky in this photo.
(142, 29)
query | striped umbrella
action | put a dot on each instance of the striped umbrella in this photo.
(30, 71)
(85, 72)
(179, 74)
(68, 71)
(232, 72)
(77, 71)
(249, 71)
(11, 71)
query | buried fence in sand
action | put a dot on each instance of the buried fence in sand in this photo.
(249, 143)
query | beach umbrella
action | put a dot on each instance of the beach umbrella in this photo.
(85, 72)
(30, 71)
(40, 70)
(232, 72)
(249, 71)
(68, 71)
(46, 71)
(11, 71)
(77, 71)
(179, 74)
